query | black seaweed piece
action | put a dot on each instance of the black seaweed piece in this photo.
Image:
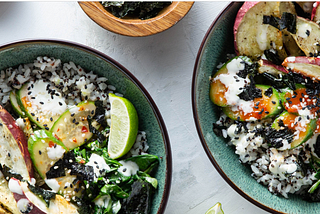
(271, 20)
(286, 80)
(250, 92)
(139, 200)
(275, 137)
(57, 170)
(100, 137)
(273, 56)
(83, 172)
(268, 92)
(248, 69)
(9, 173)
(287, 21)
(142, 10)
(99, 115)
(42, 193)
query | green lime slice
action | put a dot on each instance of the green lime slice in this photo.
(216, 209)
(124, 126)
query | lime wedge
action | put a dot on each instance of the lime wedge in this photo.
(124, 126)
(216, 209)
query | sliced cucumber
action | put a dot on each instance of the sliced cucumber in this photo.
(301, 127)
(72, 127)
(15, 105)
(41, 102)
(295, 101)
(217, 88)
(267, 106)
(45, 150)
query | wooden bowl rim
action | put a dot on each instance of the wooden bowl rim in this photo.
(136, 27)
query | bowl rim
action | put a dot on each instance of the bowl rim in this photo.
(136, 27)
(168, 177)
(196, 118)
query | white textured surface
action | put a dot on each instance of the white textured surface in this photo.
(164, 65)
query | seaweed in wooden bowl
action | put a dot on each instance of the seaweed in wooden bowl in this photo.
(133, 26)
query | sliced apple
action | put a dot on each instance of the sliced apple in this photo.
(307, 66)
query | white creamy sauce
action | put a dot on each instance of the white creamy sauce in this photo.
(99, 164)
(15, 187)
(51, 106)
(24, 205)
(128, 168)
(235, 85)
(55, 152)
(302, 29)
(102, 201)
(53, 184)
(262, 37)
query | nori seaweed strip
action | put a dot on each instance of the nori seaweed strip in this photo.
(139, 200)
(9, 173)
(83, 172)
(288, 20)
(100, 136)
(273, 56)
(42, 193)
(100, 113)
(272, 20)
(250, 92)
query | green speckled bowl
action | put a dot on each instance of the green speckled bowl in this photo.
(216, 44)
(150, 119)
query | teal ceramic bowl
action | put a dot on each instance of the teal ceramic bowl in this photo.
(150, 118)
(217, 43)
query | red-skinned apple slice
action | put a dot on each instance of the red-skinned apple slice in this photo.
(251, 36)
(307, 66)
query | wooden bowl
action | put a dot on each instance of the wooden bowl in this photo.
(169, 16)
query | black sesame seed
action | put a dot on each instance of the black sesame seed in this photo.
(60, 103)
(74, 120)
(41, 103)
(40, 152)
(274, 102)
(47, 128)
(32, 114)
(29, 93)
(9, 154)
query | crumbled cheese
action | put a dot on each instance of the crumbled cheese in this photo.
(55, 152)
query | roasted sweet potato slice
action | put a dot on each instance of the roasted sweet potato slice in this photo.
(252, 37)
(307, 36)
(307, 66)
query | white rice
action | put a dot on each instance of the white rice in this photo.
(75, 83)
(276, 169)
